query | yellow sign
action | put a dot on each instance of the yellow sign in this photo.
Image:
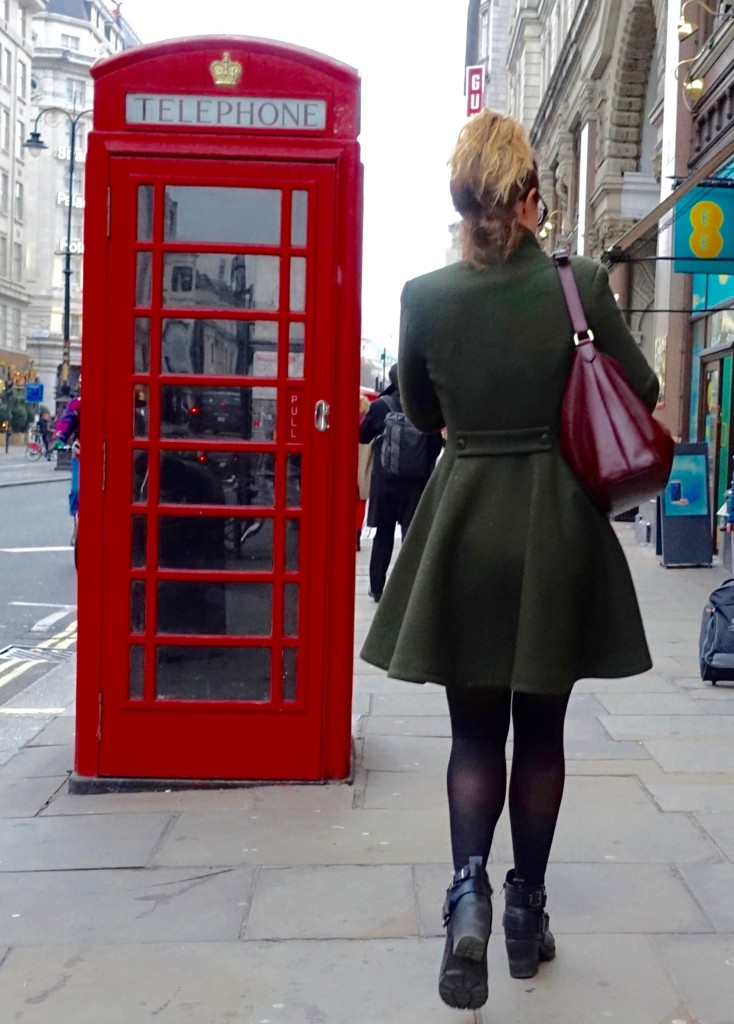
(706, 240)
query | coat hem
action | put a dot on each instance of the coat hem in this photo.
(520, 685)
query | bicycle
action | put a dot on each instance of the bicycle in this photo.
(35, 449)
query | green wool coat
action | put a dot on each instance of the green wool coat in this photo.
(509, 577)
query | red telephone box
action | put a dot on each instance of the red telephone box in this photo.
(221, 372)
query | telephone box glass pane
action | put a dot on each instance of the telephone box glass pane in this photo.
(217, 478)
(290, 610)
(137, 606)
(213, 673)
(139, 542)
(145, 213)
(140, 410)
(136, 672)
(219, 609)
(290, 673)
(218, 280)
(299, 218)
(298, 284)
(293, 482)
(140, 477)
(225, 347)
(144, 279)
(207, 213)
(296, 339)
(197, 542)
(292, 540)
(247, 414)
(142, 344)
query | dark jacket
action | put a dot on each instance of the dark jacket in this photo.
(379, 513)
(510, 576)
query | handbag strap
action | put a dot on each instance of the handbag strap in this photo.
(572, 297)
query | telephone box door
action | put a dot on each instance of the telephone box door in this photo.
(217, 391)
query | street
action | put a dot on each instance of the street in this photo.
(38, 621)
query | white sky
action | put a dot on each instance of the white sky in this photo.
(410, 56)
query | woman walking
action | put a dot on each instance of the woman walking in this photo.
(511, 584)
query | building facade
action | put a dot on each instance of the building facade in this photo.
(16, 47)
(69, 36)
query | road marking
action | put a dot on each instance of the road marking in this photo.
(31, 551)
(60, 641)
(31, 711)
(43, 625)
(39, 604)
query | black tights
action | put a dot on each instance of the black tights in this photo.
(477, 774)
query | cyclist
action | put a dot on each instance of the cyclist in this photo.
(67, 431)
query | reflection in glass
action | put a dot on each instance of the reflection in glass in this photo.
(137, 606)
(290, 673)
(140, 410)
(292, 540)
(145, 213)
(213, 673)
(139, 541)
(209, 213)
(140, 476)
(298, 284)
(222, 609)
(136, 672)
(144, 279)
(220, 281)
(290, 609)
(217, 478)
(218, 412)
(225, 347)
(142, 344)
(299, 218)
(198, 542)
(296, 336)
(293, 482)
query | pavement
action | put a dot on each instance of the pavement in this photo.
(15, 469)
(322, 905)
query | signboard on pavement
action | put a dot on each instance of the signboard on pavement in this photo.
(34, 392)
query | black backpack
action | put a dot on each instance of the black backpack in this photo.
(716, 643)
(404, 454)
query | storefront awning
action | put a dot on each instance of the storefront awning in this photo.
(616, 253)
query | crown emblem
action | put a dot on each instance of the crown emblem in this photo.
(226, 71)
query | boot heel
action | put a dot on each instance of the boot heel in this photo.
(522, 956)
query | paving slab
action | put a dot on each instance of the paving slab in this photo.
(24, 798)
(648, 727)
(585, 899)
(59, 731)
(713, 887)
(306, 836)
(614, 820)
(333, 902)
(409, 725)
(711, 755)
(703, 966)
(39, 762)
(649, 704)
(138, 906)
(648, 683)
(421, 702)
(406, 753)
(705, 795)
(318, 799)
(720, 826)
(164, 801)
(62, 844)
(405, 789)
(338, 982)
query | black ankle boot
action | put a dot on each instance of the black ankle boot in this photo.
(467, 917)
(527, 936)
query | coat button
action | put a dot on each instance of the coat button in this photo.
(545, 438)
(461, 443)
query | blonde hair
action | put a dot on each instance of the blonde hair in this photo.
(492, 167)
(364, 404)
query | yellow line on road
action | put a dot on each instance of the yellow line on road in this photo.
(7, 677)
(15, 667)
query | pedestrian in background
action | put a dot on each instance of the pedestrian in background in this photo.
(511, 584)
(394, 496)
(44, 432)
(364, 404)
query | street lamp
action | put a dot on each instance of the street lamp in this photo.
(35, 144)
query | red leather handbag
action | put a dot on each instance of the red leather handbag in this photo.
(620, 453)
